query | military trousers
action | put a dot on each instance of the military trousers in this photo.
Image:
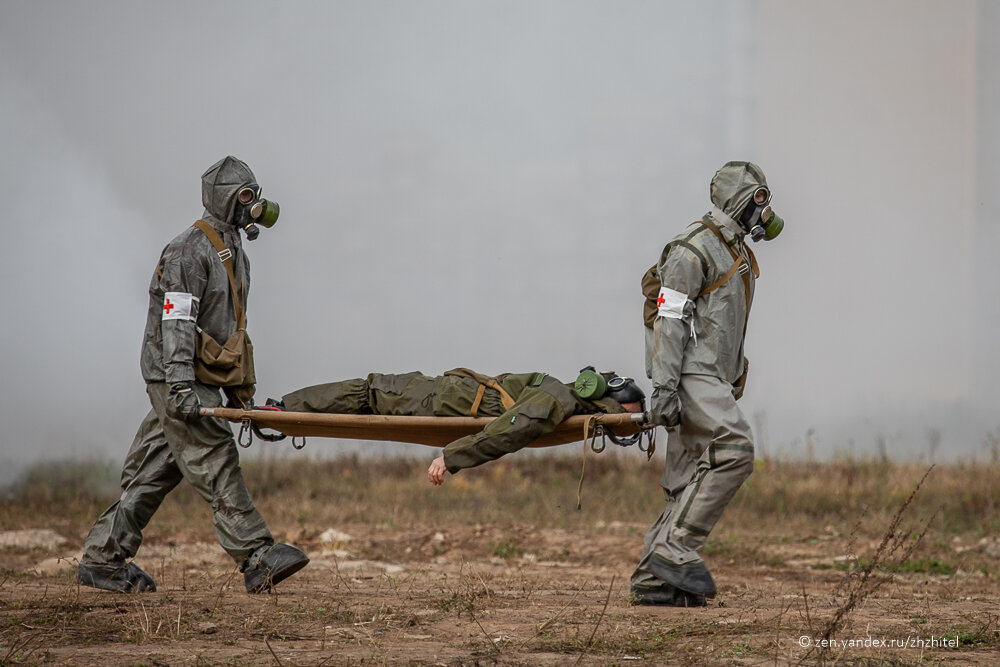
(708, 458)
(403, 394)
(164, 452)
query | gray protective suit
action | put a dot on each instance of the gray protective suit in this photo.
(694, 356)
(189, 289)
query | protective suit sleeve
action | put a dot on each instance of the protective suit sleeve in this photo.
(183, 282)
(682, 278)
(538, 411)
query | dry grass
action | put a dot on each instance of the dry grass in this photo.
(781, 496)
(500, 567)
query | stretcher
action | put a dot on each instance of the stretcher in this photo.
(624, 429)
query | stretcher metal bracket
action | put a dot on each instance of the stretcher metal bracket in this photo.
(270, 437)
(598, 432)
(246, 427)
(650, 441)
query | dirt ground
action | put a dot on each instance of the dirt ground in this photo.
(492, 594)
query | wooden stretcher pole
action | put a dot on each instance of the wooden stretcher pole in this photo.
(431, 431)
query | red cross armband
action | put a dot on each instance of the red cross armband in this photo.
(179, 306)
(670, 303)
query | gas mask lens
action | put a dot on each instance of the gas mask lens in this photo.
(761, 196)
(617, 382)
(247, 195)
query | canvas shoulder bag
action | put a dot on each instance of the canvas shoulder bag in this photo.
(229, 364)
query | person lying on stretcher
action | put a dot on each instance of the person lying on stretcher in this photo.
(528, 405)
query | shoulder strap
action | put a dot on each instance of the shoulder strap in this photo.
(738, 260)
(753, 258)
(718, 233)
(506, 400)
(724, 279)
(226, 255)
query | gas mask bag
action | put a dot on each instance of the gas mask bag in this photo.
(252, 210)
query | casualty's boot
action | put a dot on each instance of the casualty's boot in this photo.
(271, 564)
(122, 578)
(665, 596)
(692, 577)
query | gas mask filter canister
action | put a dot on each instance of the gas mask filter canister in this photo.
(252, 210)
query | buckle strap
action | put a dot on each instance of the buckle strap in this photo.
(480, 392)
(226, 255)
(745, 275)
(505, 399)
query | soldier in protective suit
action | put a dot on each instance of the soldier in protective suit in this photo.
(197, 299)
(698, 298)
(528, 405)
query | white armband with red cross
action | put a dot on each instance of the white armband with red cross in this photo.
(178, 306)
(670, 303)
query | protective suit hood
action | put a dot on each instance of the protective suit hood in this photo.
(733, 186)
(220, 184)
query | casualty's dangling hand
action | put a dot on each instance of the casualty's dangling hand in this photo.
(436, 471)
(183, 402)
(665, 408)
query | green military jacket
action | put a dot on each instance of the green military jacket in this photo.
(541, 403)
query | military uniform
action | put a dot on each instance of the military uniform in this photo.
(189, 290)
(537, 404)
(695, 358)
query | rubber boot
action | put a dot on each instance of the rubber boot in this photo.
(122, 578)
(666, 596)
(270, 565)
(692, 577)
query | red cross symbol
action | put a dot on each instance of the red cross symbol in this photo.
(659, 301)
(167, 307)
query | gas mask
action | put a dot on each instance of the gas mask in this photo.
(759, 219)
(251, 210)
(591, 385)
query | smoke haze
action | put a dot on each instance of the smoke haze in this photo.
(483, 185)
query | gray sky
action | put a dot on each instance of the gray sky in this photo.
(483, 184)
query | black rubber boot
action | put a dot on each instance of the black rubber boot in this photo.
(666, 596)
(270, 565)
(123, 578)
(692, 577)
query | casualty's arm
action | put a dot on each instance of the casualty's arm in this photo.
(538, 411)
(183, 282)
(681, 279)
